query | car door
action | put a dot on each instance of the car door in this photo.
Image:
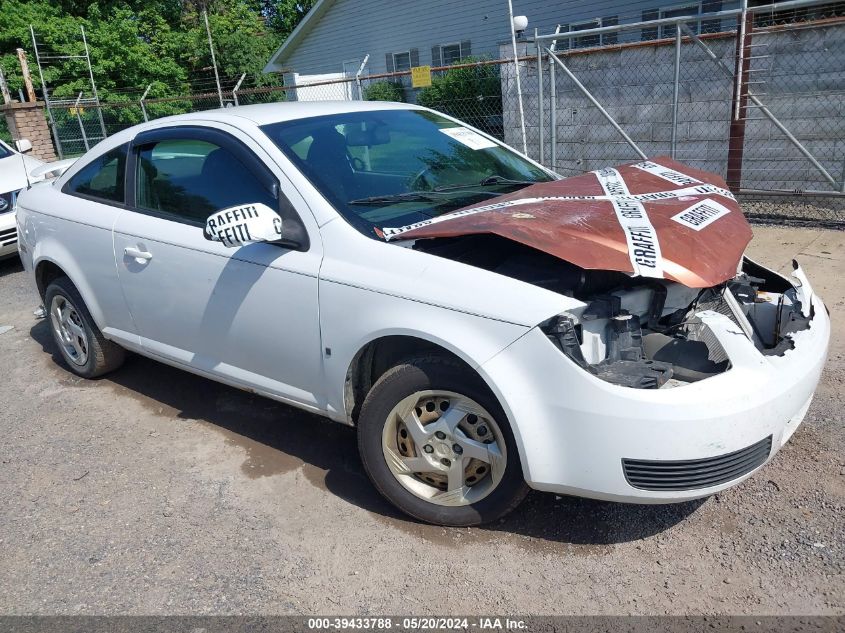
(248, 315)
(82, 217)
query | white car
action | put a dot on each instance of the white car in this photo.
(14, 167)
(486, 326)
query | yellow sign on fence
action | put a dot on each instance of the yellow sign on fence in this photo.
(420, 76)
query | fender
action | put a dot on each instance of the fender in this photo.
(473, 339)
(63, 259)
(91, 268)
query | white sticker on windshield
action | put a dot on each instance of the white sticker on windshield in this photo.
(467, 137)
(701, 214)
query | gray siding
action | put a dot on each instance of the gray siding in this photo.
(351, 29)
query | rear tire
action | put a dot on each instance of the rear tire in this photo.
(436, 443)
(83, 347)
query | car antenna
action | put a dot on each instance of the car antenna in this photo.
(25, 171)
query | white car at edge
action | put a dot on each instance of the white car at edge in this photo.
(486, 326)
(14, 167)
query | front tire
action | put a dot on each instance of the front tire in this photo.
(83, 347)
(437, 444)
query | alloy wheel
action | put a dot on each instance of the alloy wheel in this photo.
(444, 447)
(69, 330)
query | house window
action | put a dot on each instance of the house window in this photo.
(699, 25)
(447, 54)
(650, 33)
(598, 39)
(401, 61)
(668, 30)
(609, 38)
(715, 25)
(451, 53)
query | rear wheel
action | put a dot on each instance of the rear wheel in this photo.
(82, 346)
(436, 443)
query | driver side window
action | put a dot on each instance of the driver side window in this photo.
(190, 179)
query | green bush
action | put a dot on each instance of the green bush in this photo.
(384, 91)
(472, 94)
(5, 135)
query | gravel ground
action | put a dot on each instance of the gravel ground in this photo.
(152, 491)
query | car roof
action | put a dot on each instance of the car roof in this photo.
(258, 114)
(264, 113)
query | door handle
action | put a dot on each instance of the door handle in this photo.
(136, 253)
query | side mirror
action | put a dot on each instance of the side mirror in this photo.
(23, 145)
(244, 224)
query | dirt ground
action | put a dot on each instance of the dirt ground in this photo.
(152, 491)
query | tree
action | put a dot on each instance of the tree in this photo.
(470, 93)
(384, 91)
(136, 43)
(283, 16)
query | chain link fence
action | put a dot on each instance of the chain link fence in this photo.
(756, 98)
(763, 106)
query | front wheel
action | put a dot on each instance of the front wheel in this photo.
(437, 445)
(83, 347)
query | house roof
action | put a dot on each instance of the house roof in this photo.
(297, 35)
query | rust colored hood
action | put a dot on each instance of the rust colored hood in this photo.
(656, 218)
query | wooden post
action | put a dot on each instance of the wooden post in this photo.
(27, 80)
(739, 103)
(7, 98)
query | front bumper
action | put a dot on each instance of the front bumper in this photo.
(574, 430)
(8, 235)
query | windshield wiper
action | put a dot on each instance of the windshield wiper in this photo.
(495, 179)
(398, 197)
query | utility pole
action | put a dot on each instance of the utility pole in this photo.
(4, 88)
(27, 80)
(213, 59)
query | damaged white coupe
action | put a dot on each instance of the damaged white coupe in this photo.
(487, 326)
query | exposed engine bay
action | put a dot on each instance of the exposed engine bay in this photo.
(641, 332)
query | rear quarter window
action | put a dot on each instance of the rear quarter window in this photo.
(103, 178)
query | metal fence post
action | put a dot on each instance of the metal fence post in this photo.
(213, 58)
(540, 112)
(93, 83)
(141, 101)
(553, 105)
(552, 116)
(674, 144)
(358, 77)
(740, 61)
(842, 190)
(45, 94)
(736, 138)
(79, 120)
(518, 84)
(236, 88)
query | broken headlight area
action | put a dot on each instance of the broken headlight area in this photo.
(638, 332)
(647, 334)
(622, 349)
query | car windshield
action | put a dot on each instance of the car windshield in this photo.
(391, 168)
(5, 152)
